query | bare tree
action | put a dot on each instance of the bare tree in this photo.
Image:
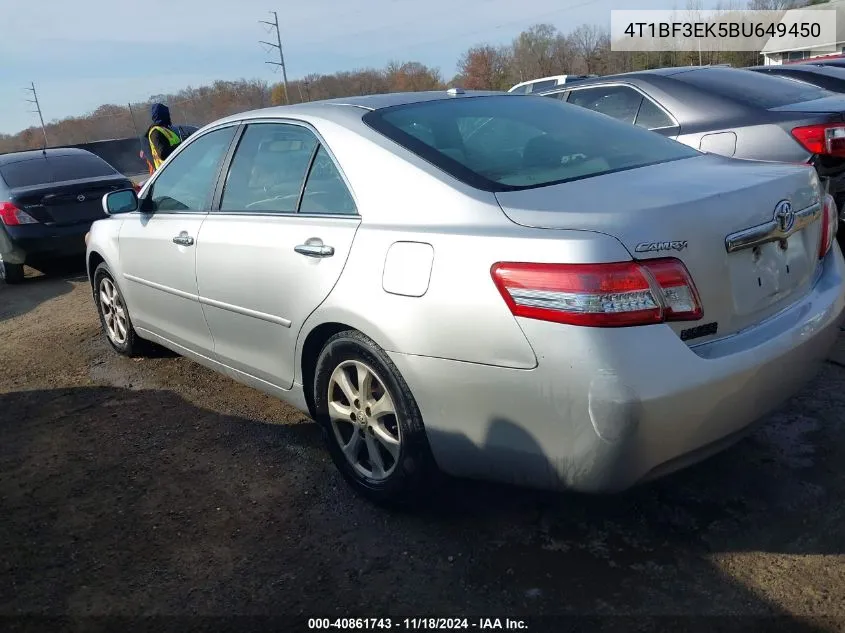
(588, 40)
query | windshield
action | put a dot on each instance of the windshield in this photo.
(506, 143)
(751, 88)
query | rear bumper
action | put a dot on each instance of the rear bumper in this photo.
(37, 242)
(607, 408)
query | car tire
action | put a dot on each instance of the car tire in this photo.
(110, 306)
(11, 273)
(407, 473)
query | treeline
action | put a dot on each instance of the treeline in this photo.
(537, 52)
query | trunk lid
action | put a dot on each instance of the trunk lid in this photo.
(69, 202)
(687, 209)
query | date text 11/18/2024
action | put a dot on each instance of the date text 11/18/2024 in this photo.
(417, 624)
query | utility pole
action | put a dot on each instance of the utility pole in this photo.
(38, 110)
(278, 45)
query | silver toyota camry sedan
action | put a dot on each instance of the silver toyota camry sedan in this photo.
(485, 285)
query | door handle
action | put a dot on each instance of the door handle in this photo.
(314, 247)
(183, 239)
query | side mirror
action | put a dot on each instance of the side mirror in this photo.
(123, 201)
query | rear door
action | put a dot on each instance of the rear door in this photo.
(274, 249)
(158, 244)
(62, 190)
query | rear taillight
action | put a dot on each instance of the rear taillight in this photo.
(827, 139)
(10, 215)
(830, 224)
(600, 295)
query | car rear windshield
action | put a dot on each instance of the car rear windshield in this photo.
(754, 89)
(511, 142)
(41, 171)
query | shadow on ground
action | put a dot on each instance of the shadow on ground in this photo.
(127, 502)
(39, 286)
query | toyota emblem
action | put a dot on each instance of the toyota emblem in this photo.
(80, 198)
(784, 215)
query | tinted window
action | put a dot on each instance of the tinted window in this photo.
(187, 182)
(325, 191)
(755, 89)
(538, 86)
(269, 168)
(651, 117)
(617, 101)
(528, 142)
(521, 90)
(38, 171)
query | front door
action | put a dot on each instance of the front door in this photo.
(158, 244)
(275, 248)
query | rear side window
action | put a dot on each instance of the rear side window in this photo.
(41, 171)
(503, 143)
(751, 88)
(537, 86)
(620, 102)
(651, 117)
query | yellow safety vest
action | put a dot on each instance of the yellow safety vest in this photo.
(171, 137)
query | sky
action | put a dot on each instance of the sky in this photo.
(85, 53)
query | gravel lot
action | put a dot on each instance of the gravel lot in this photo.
(158, 488)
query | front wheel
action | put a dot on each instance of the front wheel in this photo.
(373, 427)
(114, 317)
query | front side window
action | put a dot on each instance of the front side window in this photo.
(187, 182)
(506, 143)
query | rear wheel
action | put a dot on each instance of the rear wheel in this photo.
(11, 273)
(372, 425)
(114, 317)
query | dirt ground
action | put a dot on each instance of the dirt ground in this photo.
(158, 488)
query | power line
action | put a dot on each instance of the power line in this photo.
(278, 45)
(37, 109)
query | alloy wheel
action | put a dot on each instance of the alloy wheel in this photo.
(363, 420)
(114, 312)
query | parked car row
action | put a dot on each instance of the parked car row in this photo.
(493, 285)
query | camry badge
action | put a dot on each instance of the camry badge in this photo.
(653, 247)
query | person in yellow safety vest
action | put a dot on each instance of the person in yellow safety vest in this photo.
(161, 136)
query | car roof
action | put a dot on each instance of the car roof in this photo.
(339, 108)
(16, 157)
